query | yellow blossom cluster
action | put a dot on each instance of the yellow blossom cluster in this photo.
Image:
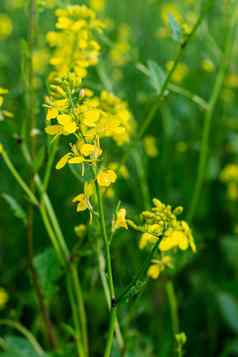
(89, 119)
(229, 176)
(161, 223)
(74, 42)
(76, 111)
(120, 50)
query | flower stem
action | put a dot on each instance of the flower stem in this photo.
(18, 178)
(113, 315)
(208, 118)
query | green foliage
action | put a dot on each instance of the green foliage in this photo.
(49, 272)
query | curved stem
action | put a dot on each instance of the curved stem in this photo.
(207, 121)
(18, 178)
(164, 87)
(28, 335)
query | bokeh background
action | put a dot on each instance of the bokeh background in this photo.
(137, 46)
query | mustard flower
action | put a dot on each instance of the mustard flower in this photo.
(106, 177)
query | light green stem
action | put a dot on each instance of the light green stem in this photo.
(18, 178)
(26, 333)
(164, 87)
(207, 121)
(113, 315)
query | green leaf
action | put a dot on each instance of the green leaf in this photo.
(229, 309)
(156, 76)
(17, 210)
(49, 271)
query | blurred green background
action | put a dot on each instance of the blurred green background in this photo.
(206, 283)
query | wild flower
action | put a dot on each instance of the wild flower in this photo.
(162, 227)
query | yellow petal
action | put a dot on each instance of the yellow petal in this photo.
(106, 178)
(91, 117)
(63, 161)
(53, 129)
(76, 160)
(86, 149)
(51, 113)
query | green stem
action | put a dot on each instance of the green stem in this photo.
(27, 334)
(173, 307)
(207, 121)
(101, 264)
(164, 87)
(79, 344)
(82, 313)
(191, 96)
(49, 164)
(18, 178)
(113, 316)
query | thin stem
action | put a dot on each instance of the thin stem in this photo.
(164, 87)
(113, 316)
(26, 333)
(49, 164)
(81, 307)
(101, 264)
(191, 96)
(18, 178)
(173, 307)
(75, 318)
(207, 121)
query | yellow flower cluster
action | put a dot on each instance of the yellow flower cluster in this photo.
(229, 176)
(90, 119)
(150, 146)
(75, 111)
(74, 42)
(161, 223)
(119, 53)
(158, 266)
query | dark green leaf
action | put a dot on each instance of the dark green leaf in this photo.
(17, 210)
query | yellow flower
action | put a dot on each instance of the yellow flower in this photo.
(1, 148)
(106, 177)
(207, 65)
(91, 117)
(168, 10)
(180, 71)
(146, 239)
(82, 202)
(80, 230)
(229, 173)
(3, 298)
(154, 271)
(97, 5)
(66, 126)
(120, 221)
(6, 26)
(150, 146)
(158, 266)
